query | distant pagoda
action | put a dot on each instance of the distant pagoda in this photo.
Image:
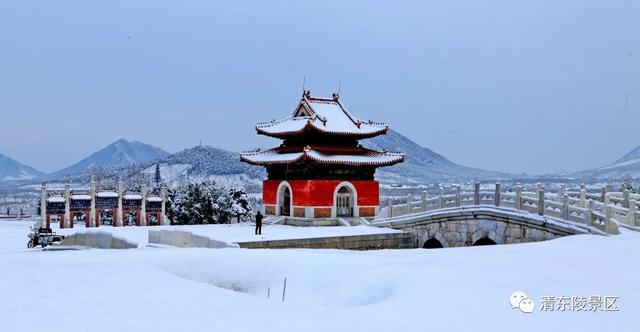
(320, 170)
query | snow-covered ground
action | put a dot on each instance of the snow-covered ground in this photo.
(461, 289)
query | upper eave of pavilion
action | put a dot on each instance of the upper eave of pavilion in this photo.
(324, 116)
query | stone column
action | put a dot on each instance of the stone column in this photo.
(424, 201)
(93, 220)
(476, 194)
(120, 214)
(496, 197)
(583, 196)
(441, 198)
(163, 195)
(409, 198)
(458, 196)
(67, 206)
(518, 200)
(143, 206)
(541, 200)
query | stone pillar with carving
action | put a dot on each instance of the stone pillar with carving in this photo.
(120, 217)
(67, 207)
(43, 204)
(93, 219)
(163, 218)
(143, 206)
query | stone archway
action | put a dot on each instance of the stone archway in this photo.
(345, 201)
(284, 204)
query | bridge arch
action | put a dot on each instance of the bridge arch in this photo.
(484, 241)
(485, 236)
(432, 243)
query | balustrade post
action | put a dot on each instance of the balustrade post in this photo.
(458, 197)
(390, 207)
(518, 202)
(583, 196)
(476, 194)
(604, 193)
(496, 196)
(424, 201)
(609, 226)
(625, 197)
(409, 198)
(631, 215)
(561, 191)
(541, 200)
(441, 198)
(588, 215)
(565, 207)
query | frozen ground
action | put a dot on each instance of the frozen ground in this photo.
(462, 289)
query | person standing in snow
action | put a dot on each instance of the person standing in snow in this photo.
(259, 223)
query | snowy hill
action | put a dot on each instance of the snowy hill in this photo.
(624, 168)
(11, 169)
(423, 165)
(118, 154)
(206, 162)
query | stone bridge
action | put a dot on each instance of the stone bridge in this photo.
(482, 225)
(480, 217)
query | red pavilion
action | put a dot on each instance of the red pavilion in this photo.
(320, 170)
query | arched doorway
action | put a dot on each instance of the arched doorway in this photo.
(284, 200)
(344, 202)
(432, 243)
(484, 241)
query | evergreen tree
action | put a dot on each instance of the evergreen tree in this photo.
(158, 178)
(233, 203)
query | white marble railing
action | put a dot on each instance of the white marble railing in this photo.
(604, 211)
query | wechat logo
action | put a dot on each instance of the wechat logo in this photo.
(521, 301)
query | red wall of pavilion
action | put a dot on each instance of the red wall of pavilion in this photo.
(320, 192)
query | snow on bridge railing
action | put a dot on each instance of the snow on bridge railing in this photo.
(604, 211)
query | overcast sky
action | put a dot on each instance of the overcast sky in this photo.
(517, 86)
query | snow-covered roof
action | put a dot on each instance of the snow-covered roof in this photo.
(154, 199)
(56, 199)
(107, 194)
(81, 197)
(132, 196)
(326, 115)
(364, 157)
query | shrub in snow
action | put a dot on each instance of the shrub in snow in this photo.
(207, 203)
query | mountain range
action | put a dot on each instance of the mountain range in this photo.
(624, 168)
(11, 170)
(423, 165)
(128, 159)
(118, 154)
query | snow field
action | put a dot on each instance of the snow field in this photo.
(459, 289)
